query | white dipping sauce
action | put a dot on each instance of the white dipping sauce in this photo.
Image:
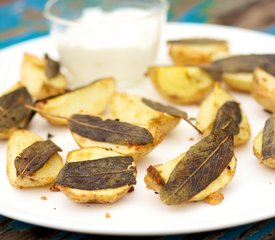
(103, 44)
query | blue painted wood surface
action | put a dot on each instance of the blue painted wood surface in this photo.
(21, 20)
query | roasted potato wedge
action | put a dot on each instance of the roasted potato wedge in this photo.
(136, 151)
(263, 88)
(183, 85)
(264, 146)
(140, 114)
(35, 79)
(13, 114)
(164, 170)
(196, 50)
(110, 195)
(238, 70)
(209, 109)
(18, 141)
(90, 99)
(238, 81)
(257, 149)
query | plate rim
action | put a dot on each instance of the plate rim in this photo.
(54, 224)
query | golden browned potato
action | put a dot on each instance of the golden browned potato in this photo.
(130, 108)
(108, 195)
(238, 70)
(257, 149)
(90, 99)
(209, 108)
(178, 84)
(264, 144)
(20, 140)
(238, 81)
(155, 181)
(263, 88)
(136, 151)
(34, 77)
(196, 50)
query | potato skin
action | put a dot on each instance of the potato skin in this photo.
(209, 109)
(95, 196)
(34, 78)
(183, 53)
(166, 169)
(182, 85)
(19, 140)
(90, 99)
(136, 151)
(257, 150)
(263, 89)
(140, 114)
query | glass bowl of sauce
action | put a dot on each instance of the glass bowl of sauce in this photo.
(106, 38)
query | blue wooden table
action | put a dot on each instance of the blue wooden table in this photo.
(21, 20)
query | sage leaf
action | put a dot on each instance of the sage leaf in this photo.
(52, 67)
(269, 68)
(13, 113)
(268, 143)
(202, 164)
(198, 41)
(34, 157)
(228, 118)
(103, 173)
(111, 131)
(213, 70)
(169, 110)
(244, 63)
(165, 109)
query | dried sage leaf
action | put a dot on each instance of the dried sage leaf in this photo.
(52, 67)
(268, 144)
(169, 110)
(111, 131)
(103, 173)
(228, 118)
(244, 63)
(214, 71)
(198, 41)
(165, 109)
(269, 68)
(34, 157)
(202, 164)
(13, 113)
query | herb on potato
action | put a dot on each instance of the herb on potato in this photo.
(103, 173)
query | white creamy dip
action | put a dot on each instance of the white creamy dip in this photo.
(103, 44)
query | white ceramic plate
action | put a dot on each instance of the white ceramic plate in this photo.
(249, 197)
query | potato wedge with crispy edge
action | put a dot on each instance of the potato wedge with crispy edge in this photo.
(238, 70)
(257, 150)
(140, 114)
(33, 77)
(196, 50)
(90, 99)
(264, 143)
(136, 151)
(95, 196)
(19, 140)
(209, 109)
(183, 85)
(263, 89)
(154, 183)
